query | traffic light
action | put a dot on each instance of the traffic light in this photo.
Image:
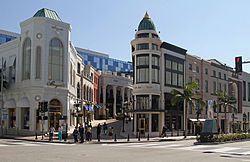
(45, 106)
(238, 64)
(40, 106)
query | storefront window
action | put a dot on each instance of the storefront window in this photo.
(155, 122)
(25, 113)
(155, 102)
(12, 118)
(142, 102)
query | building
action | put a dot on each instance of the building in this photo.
(158, 68)
(102, 61)
(41, 65)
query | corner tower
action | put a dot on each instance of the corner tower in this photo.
(146, 54)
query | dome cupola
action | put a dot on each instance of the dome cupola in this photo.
(146, 23)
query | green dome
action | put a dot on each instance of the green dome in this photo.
(146, 23)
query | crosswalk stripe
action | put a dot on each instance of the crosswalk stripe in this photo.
(3, 145)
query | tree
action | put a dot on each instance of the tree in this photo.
(187, 96)
(225, 101)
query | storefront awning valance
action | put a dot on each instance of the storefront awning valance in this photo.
(97, 106)
(195, 120)
(88, 108)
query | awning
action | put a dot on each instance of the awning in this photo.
(11, 61)
(88, 108)
(195, 120)
(97, 106)
(23, 102)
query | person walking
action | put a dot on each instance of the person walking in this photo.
(89, 133)
(111, 131)
(75, 134)
(164, 129)
(51, 133)
(81, 131)
(105, 128)
(60, 133)
(99, 128)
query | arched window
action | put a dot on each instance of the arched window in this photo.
(26, 59)
(56, 60)
(78, 90)
(87, 94)
(38, 62)
(84, 92)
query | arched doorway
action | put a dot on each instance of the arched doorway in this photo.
(55, 108)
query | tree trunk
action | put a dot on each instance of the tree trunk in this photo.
(225, 122)
(185, 119)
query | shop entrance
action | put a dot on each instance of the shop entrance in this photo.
(55, 114)
(142, 128)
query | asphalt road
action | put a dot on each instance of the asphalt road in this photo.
(170, 151)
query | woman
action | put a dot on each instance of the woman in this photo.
(75, 135)
(51, 133)
(111, 131)
(60, 133)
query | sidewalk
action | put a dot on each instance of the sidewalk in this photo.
(95, 141)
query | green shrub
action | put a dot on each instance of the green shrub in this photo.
(223, 137)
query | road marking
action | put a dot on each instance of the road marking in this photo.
(2, 145)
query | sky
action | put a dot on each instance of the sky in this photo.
(214, 29)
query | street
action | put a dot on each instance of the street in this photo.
(16, 150)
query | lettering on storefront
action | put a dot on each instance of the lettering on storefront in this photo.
(140, 87)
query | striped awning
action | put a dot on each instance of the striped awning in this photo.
(88, 108)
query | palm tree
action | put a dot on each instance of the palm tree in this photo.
(225, 101)
(187, 96)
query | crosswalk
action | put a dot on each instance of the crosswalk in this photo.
(16, 143)
(221, 149)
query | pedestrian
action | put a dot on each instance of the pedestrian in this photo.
(60, 133)
(51, 133)
(89, 133)
(164, 129)
(105, 128)
(75, 134)
(99, 128)
(81, 131)
(111, 131)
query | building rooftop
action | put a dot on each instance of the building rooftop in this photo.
(146, 23)
(44, 12)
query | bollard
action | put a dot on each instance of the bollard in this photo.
(36, 135)
(178, 132)
(139, 137)
(99, 138)
(115, 138)
(128, 137)
(148, 137)
(172, 132)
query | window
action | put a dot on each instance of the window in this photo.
(71, 74)
(206, 71)
(143, 35)
(56, 60)
(155, 36)
(248, 91)
(198, 81)
(244, 91)
(225, 87)
(214, 87)
(78, 90)
(142, 68)
(174, 71)
(38, 63)
(25, 113)
(206, 86)
(220, 89)
(155, 68)
(155, 102)
(155, 122)
(26, 59)
(154, 47)
(12, 118)
(190, 108)
(219, 75)
(78, 68)
(214, 73)
(197, 69)
(12, 71)
(74, 78)
(142, 102)
(225, 77)
(190, 80)
(190, 66)
(143, 46)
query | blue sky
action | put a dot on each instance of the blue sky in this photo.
(208, 29)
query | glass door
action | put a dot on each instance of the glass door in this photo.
(142, 127)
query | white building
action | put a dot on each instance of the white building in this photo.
(41, 65)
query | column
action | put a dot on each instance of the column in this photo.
(104, 99)
(123, 93)
(114, 96)
(128, 94)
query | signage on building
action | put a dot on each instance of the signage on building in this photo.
(4, 114)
